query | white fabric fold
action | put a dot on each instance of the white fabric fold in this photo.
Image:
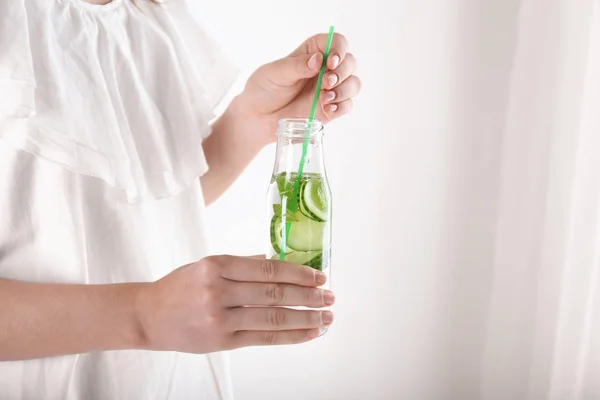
(146, 138)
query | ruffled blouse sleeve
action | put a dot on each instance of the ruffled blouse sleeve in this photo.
(16, 72)
(123, 93)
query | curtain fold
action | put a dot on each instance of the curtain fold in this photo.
(542, 329)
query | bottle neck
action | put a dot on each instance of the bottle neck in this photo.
(297, 137)
(289, 155)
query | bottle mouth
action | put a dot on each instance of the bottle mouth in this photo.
(299, 128)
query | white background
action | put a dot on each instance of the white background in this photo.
(421, 171)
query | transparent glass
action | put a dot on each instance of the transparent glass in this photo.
(299, 210)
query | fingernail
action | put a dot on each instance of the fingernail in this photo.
(327, 317)
(313, 62)
(321, 278)
(333, 108)
(328, 297)
(335, 60)
(313, 333)
(332, 79)
(330, 96)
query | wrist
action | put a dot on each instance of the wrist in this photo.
(123, 320)
(143, 315)
(247, 125)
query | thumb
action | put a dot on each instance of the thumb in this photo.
(289, 70)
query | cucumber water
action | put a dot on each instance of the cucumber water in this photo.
(309, 239)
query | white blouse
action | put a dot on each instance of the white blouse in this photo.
(103, 110)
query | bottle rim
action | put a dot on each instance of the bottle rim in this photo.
(299, 128)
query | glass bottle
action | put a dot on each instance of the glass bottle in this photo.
(299, 201)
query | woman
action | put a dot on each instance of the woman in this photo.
(107, 161)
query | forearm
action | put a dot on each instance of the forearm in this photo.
(41, 320)
(229, 149)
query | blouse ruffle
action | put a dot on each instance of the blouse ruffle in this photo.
(122, 92)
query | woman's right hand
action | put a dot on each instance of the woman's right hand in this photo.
(226, 302)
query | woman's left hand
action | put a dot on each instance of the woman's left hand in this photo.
(285, 88)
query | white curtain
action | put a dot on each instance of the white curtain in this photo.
(542, 337)
(466, 197)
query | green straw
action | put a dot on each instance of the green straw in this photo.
(313, 110)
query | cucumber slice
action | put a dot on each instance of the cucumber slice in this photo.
(302, 257)
(277, 233)
(317, 262)
(312, 199)
(305, 234)
(311, 259)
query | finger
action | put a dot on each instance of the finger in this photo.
(338, 51)
(336, 110)
(289, 70)
(246, 269)
(277, 319)
(272, 338)
(317, 43)
(341, 73)
(347, 90)
(275, 294)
